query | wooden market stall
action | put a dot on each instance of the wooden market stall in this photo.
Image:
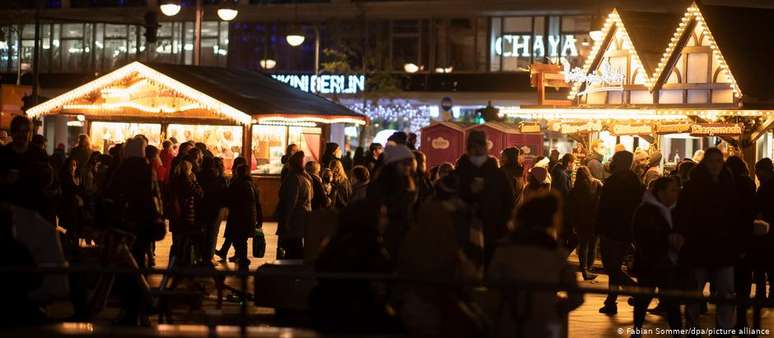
(235, 112)
(678, 81)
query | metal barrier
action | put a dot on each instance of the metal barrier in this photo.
(243, 275)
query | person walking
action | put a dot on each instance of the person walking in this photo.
(707, 215)
(222, 253)
(514, 171)
(582, 206)
(244, 213)
(293, 209)
(657, 247)
(620, 196)
(486, 188)
(533, 254)
(213, 182)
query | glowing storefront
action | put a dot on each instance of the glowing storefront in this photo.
(681, 81)
(234, 112)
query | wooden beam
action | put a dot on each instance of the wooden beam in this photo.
(765, 126)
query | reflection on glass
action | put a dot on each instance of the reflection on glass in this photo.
(106, 134)
(269, 143)
(222, 141)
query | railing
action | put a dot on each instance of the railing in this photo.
(243, 275)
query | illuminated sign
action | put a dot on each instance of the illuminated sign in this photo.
(605, 75)
(510, 45)
(629, 129)
(713, 129)
(324, 84)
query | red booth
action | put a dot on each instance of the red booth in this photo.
(442, 142)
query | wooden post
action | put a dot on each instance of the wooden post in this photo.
(247, 143)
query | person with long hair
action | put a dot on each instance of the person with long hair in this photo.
(293, 209)
(331, 153)
(582, 215)
(341, 188)
(422, 177)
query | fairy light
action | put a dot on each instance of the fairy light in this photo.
(694, 13)
(152, 76)
(613, 21)
(399, 111)
(133, 105)
(636, 115)
(284, 120)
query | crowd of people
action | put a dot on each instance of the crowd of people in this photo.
(481, 219)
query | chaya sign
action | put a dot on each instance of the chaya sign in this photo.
(510, 45)
(324, 84)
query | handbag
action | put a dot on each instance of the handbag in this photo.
(259, 244)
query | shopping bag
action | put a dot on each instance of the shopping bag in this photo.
(259, 244)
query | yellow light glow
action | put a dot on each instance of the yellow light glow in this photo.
(603, 114)
(149, 74)
(133, 105)
(287, 120)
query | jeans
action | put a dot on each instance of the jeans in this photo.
(587, 253)
(722, 281)
(665, 278)
(613, 253)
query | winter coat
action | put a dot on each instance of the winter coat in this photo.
(136, 191)
(359, 191)
(620, 196)
(295, 204)
(515, 175)
(320, 198)
(651, 236)
(595, 165)
(495, 202)
(424, 187)
(582, 209)
(188, 193)
(538, 313)
(650, 175)
(745, 189)
(560, 180)
(81, 156)
(763, 246)
(340, 194)
(706, 215)
(244, 209)
(214, 188)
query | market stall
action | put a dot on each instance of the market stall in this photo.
(672, 83)
(234, 112)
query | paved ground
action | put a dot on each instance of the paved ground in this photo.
(584, 322)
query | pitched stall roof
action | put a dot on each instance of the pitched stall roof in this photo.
(240, 95)
(649, 33)
(744, 38)
(258, 94)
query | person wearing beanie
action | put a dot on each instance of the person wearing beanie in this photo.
(620, 196)
(398, 138)
(486, 189)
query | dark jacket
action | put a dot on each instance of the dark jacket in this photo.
(295, 205)
(651, 238)
(214, 188)
(244, 209)
(745, 189)
(424, 187)
(341, 192)
(515, 175)
(137, 193)
(319, 197)
(495, 202)
(620, 196)
(582, 209)
(188, 194)
(359, 191)
(595, 165)
(707, 214)
(560, 180)
(763, 246)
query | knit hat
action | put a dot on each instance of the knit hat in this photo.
(394, 153)
(476, 138)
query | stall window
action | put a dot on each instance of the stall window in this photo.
(269, 143)
(105, 134)
(222, 141)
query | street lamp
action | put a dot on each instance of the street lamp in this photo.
(268, 63)
(226, 13)
(170, 7)
(295, 36)
(410, 68)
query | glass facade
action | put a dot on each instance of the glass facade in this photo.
(100, 47)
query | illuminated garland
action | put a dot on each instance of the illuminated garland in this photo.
(399, 111)
(613, 21)
(693, 12)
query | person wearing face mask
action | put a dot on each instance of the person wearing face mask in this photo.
(657, 248)
(707, 215)
(486, 189)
